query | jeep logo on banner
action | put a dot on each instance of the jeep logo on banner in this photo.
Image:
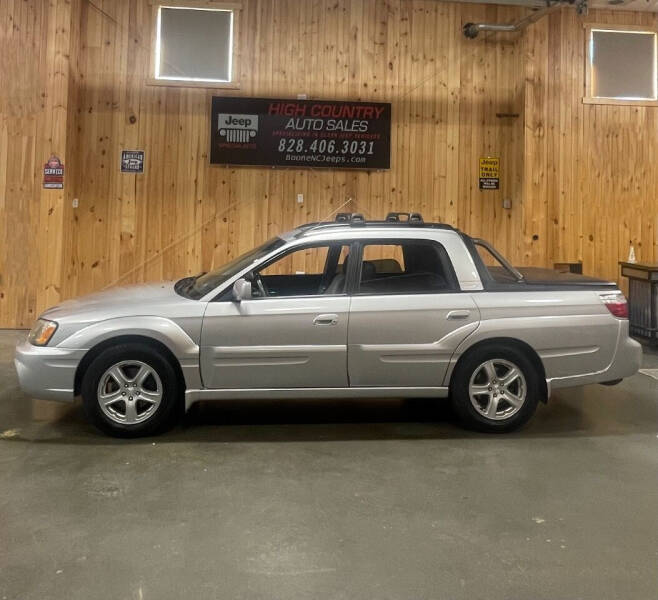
(300, 133)
(237, 128)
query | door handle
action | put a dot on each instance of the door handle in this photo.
(328, 319)
(454, 315)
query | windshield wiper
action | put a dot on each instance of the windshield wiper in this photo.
(187, 283)
(182, 285)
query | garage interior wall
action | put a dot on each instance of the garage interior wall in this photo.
(582, 178)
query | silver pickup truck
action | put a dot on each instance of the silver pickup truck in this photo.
(350, 308)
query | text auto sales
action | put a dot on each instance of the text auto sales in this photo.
(326, 117)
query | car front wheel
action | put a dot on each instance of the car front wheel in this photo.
(495, 389)
(130, 390)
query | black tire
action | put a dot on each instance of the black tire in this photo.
(470, 365)
(163, 416)
(613, 382)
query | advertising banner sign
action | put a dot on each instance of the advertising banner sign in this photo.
(300, 133)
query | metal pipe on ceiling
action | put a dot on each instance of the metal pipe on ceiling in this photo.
(471, 30)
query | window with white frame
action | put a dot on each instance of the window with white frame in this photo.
(622, 65)
(194, 44)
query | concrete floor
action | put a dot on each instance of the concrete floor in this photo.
(351, 500)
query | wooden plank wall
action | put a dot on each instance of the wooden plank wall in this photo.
(183, 215)
(591, 171)
(36, 37)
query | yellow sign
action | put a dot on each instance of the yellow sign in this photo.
(490, 173)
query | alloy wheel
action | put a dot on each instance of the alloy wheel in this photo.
(129, 392)
(497, 389)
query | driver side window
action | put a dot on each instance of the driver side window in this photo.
(307, 271)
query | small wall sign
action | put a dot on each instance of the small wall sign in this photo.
(53, 174)
(132, 161)
(490, 173)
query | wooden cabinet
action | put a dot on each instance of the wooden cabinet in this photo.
(642, 300)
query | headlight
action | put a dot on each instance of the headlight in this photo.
(42, 332)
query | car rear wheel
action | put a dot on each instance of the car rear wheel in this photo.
(495, 389)
(130, 390)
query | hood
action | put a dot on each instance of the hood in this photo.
(132, 300)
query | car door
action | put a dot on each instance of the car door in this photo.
(407, 314)
(291, 334)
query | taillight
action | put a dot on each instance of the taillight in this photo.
(616, 303)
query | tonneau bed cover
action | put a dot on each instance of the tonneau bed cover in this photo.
(536, 277)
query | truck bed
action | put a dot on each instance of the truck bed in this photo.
(539, 278)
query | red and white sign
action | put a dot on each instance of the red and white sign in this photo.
(53, 174)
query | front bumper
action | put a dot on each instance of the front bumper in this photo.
(47, 373)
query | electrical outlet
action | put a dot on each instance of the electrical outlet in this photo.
(300, 198)
(507, 203)
(75, 203)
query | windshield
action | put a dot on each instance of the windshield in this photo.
(199, 286)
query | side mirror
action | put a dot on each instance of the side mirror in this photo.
(241, 290)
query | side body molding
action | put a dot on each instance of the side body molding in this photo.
(164, 330)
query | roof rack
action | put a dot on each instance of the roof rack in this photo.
(392, 217)
(411, 218)
(351, 218)
(392, 220)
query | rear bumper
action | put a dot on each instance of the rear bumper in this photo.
(625, 362)
(47, 373)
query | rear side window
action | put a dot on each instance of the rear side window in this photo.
(405, 267)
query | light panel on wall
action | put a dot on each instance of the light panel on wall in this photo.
(194, 45)
(622, 65)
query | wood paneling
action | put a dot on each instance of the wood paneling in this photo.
(590, 170)
(183, 215)
(571, 171)
(36, 37)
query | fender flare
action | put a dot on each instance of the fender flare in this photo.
(160, 329)
(473, 342)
